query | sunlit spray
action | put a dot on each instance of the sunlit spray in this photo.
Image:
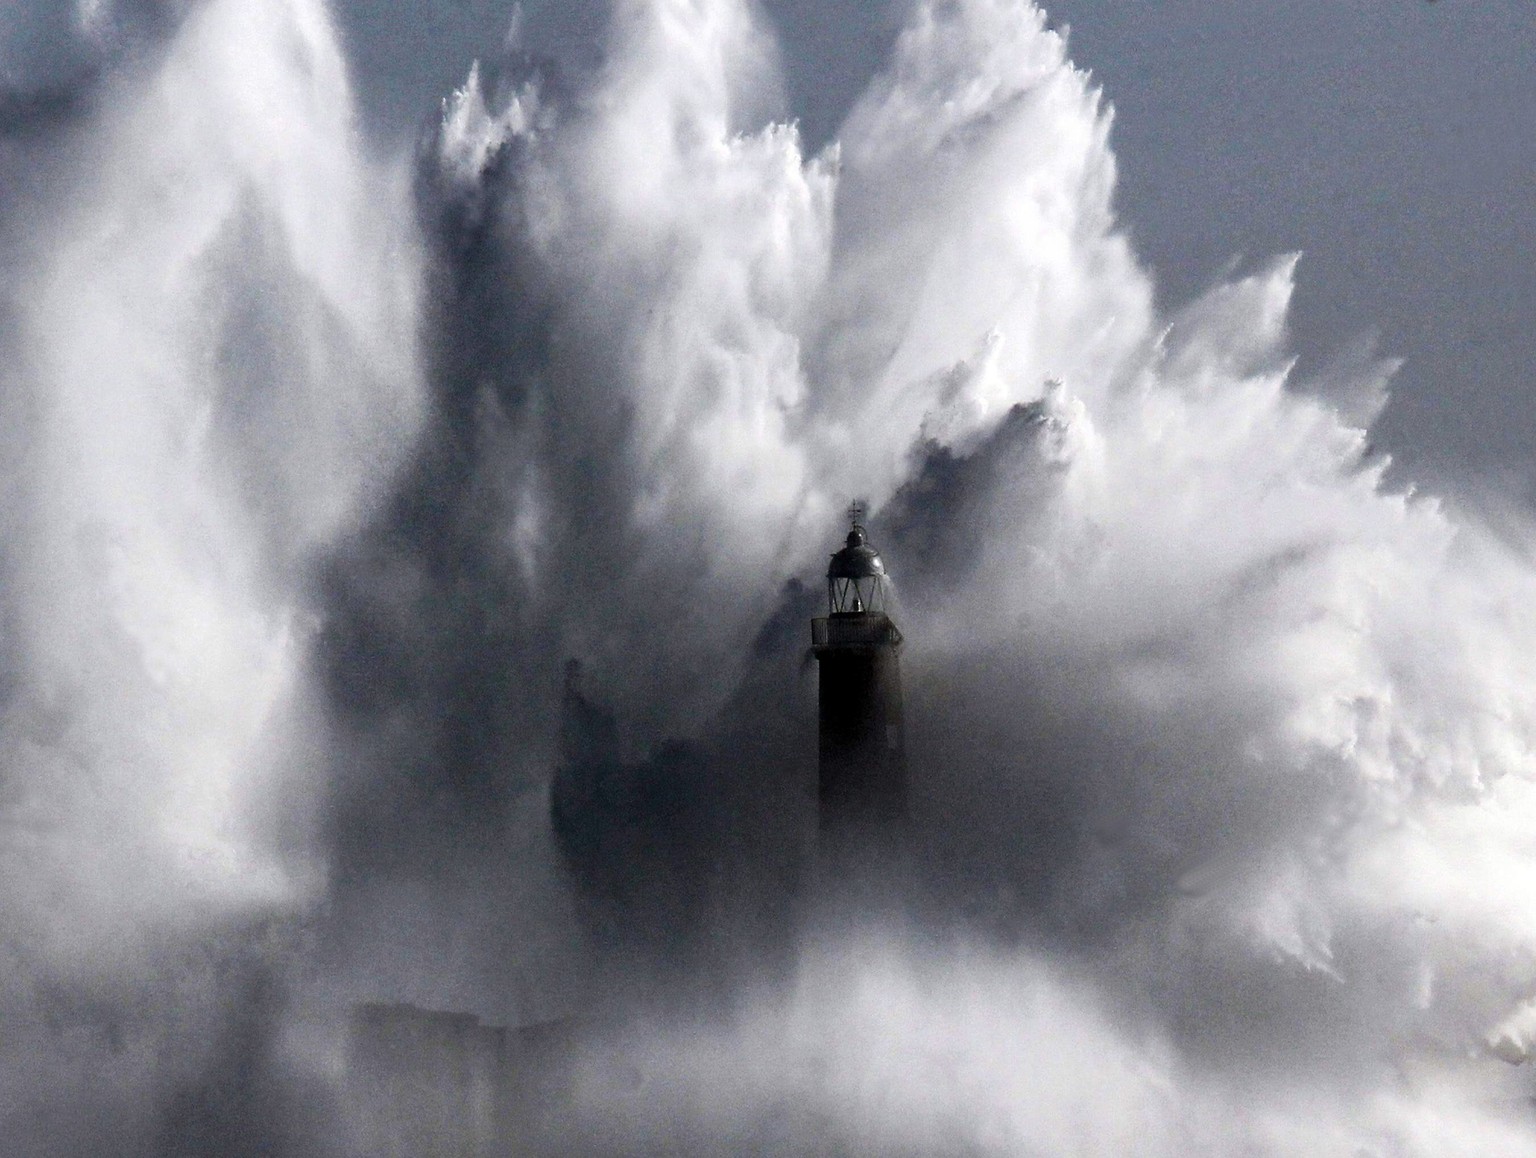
(212, 370)
(1220, 749)
(1190, 677)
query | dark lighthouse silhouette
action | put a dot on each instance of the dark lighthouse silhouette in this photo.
(427, 1082)
(862, 759)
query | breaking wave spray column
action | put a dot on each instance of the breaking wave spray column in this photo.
(679, 291)
(1241, 739)
(210, 371)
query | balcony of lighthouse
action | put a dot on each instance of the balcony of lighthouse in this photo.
(854, 629)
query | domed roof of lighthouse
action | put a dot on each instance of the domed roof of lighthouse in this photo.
(857, 560)
(856, 575)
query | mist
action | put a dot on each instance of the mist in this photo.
(409, 536)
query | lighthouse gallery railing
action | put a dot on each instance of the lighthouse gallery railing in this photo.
(854, 631)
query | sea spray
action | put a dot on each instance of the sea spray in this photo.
(1221, 747)
(212, 371)
(1187, 676)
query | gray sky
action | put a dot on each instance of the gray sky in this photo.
(1390, 141)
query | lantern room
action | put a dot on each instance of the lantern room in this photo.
(856, 576)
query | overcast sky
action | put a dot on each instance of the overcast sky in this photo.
(1390, 141)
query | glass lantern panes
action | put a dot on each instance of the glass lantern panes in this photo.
(855, 596)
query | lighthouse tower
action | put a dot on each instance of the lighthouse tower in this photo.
(863, 767)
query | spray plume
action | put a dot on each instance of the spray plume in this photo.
(210, 366)
(1223, 748)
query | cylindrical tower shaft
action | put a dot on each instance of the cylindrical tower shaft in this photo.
(862, 780)
(862, 765)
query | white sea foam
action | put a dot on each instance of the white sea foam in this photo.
(1280, 715)
(211, 370)
(1231, 738)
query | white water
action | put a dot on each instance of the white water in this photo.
(1284, 716)
(210, 370)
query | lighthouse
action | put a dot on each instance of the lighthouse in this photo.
(862, 771)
